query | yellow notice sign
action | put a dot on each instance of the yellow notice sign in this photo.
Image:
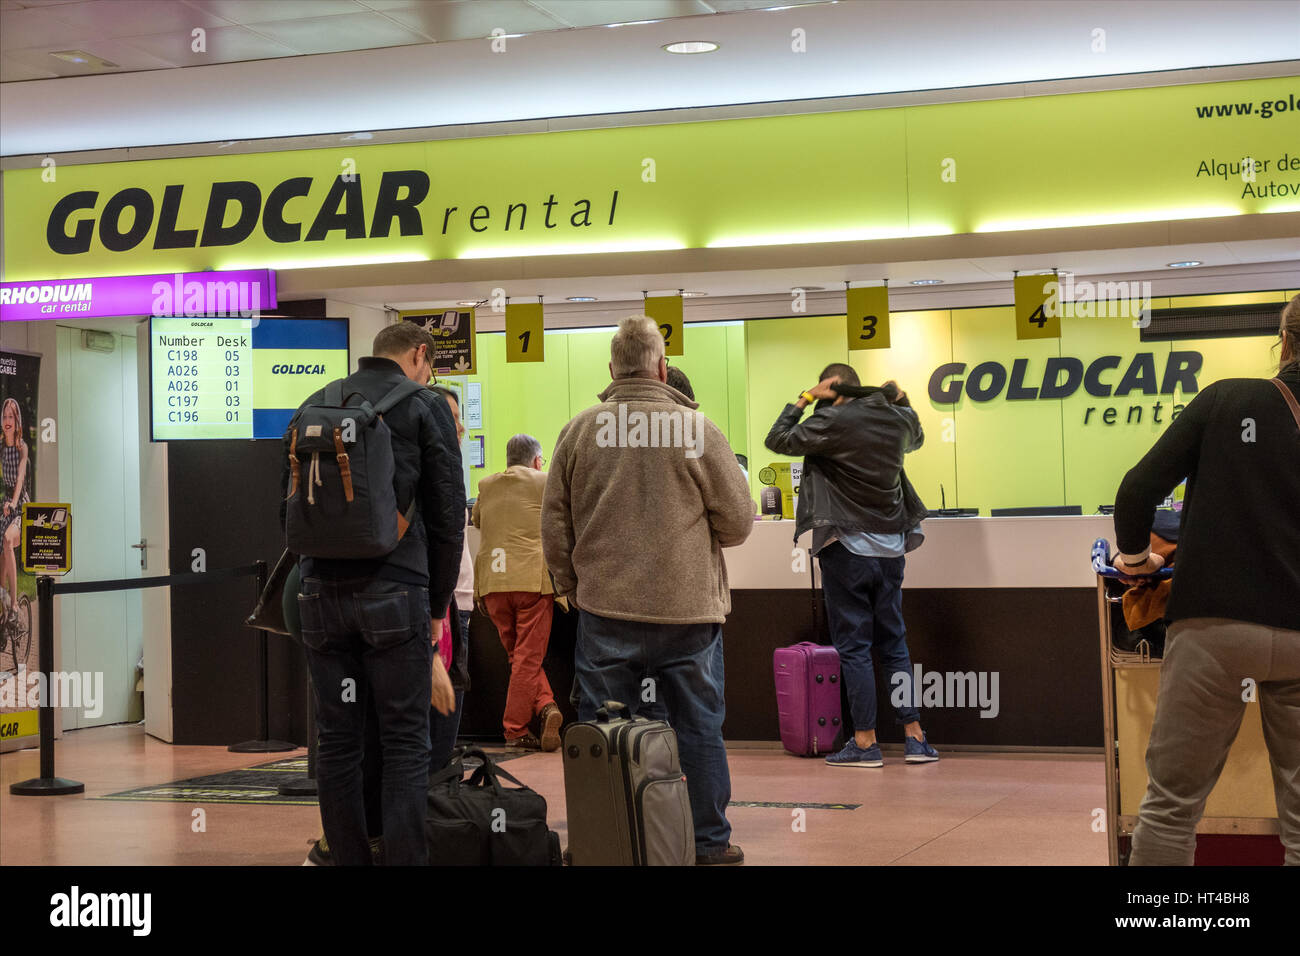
(868, 318)
(525, 341)
(667, 311)
(1038, 307)
(46, 537)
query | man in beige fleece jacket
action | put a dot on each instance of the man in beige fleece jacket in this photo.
(643, 494)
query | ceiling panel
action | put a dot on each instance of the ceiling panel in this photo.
(127, 57)
(468, 20)
(359, 31)
(38, 27)
(223, 45)
(123, 18)
(586, 13)
(261, 11)
(11, 70)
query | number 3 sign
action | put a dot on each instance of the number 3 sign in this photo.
(868, 318)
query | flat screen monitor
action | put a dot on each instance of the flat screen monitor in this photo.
(238, 377)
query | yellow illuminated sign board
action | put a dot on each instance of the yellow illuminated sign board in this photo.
(868, 318)
(878, 174)
(666, 310)
(525, 339)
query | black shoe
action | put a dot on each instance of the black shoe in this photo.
(528, 741)
(319, 854)
(731, 856)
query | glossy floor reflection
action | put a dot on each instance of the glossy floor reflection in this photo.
(995, 809)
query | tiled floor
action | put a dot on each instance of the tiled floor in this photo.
(980, 809)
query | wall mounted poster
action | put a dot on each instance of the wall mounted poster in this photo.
(453, 337)
(19, 445)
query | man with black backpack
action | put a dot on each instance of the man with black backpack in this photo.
(375, 506)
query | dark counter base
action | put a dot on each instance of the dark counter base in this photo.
(1041, 642)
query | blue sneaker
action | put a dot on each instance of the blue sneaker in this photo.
(854, 756)
(919, 751)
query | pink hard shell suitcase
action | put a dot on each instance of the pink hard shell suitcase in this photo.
(807, 679)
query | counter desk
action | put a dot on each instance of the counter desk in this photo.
(1001, 615)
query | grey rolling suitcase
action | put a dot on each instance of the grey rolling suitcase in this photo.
(625, 794)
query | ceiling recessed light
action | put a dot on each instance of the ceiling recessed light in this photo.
(809, 288)
(691, 46)
(1186, 264)
(693, 295)
(468, 302)
(359, 136)
(927, 282)
(581, 298)
(82, 58)
(631, 23)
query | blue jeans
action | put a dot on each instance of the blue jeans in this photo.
(685, 660)
(864, 606)
(369, 639)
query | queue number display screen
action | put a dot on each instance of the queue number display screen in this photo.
(239, 377)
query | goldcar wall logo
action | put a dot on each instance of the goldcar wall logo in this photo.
(1062, 376)
(879, 174)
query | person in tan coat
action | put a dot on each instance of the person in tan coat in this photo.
(643, 494)
(514, 587)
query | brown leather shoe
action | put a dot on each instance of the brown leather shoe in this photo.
(528, 741)
(551, 720)
(731, 856)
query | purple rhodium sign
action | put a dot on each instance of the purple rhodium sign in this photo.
(244, 293)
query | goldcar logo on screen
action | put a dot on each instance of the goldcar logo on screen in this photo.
(1063, 375)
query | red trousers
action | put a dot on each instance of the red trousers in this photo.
(523, 620)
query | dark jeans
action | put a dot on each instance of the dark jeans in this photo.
(369, 639)
(685, 660)
(864, 606)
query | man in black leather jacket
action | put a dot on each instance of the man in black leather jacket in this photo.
(864, 516)
(367, 625)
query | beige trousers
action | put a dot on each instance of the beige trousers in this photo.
(1198, 713)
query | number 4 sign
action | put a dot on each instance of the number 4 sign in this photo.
(868, 318)
(1038, 307)
(525, 341)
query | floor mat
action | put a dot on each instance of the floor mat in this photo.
(257, 785)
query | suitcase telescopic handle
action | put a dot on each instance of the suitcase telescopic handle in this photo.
(612, 710)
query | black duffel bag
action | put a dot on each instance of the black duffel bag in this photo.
(480, 822)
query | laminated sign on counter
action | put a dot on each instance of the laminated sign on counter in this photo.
(47, 531)
(781, 494)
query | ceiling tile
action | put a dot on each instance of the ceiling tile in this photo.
(33, 27)
(126, 57)
(583, 13)
(121, 18)
(730, 6)
(224, 45)
(12, 70)
(471, 20)
(260, 11)
(361, 31)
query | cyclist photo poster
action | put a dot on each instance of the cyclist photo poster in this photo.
(19, 445)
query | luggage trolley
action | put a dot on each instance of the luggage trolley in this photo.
(1112, 659)
(1240, 805)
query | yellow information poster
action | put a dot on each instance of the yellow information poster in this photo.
(525, 341)
(453, 338)
(47, 538)
(667, 311)
(868, 318)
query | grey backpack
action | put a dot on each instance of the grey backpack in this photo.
(341, 502)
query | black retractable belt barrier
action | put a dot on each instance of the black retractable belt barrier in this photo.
(47, 784)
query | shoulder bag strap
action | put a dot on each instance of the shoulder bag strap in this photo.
(1290, 400)
(398, 393)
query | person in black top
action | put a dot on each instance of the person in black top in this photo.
(1235, 603)
(367, 625)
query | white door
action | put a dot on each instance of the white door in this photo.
(99, 475)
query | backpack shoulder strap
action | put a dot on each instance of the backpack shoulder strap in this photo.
(399, 393)
(1290, 399)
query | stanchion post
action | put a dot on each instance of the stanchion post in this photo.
(47, 784)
